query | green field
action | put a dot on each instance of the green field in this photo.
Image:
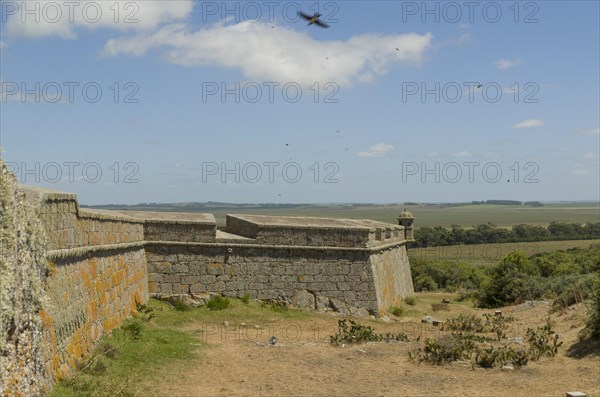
(490, 254)
(466, 216)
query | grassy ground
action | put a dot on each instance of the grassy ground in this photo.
(490, 254)
(193, 353)
(126, 359)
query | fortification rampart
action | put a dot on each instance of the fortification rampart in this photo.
(100, 264)
(95, 275)
(353, 266)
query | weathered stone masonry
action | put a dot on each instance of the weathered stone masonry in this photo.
(95, 274)
(349, 263)
(101, 264)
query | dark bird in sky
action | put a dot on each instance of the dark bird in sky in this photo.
(313, 19)
(397, 49)
(480, 85)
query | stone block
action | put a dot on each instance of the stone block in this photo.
(303, 300)
(180, 268)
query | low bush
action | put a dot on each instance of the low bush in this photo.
(499, 356)
(497, 324)
(396, 310)
(447, 275)
(445, 349)
(593, 321)
(133, 328)
(543, 341)
(464, 323)
(245, 298)
(217, 302)
(358, 333)
(469, 342)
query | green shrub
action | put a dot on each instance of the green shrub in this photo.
(543, 341)
(179, 305)
(512, 280)
(411, 300)
(593, 321)
(276, 306)
(447, 275)
(425, 283)
(358, 333)
(464, 323)
(571, 289)
(246, 298)
(497, 324)
(133, 328)
(217, 302)
(494, 356)
(396, 310)
(446, 349)
(144, 312)
(564, 276)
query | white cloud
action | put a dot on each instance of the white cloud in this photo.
(529, 124)
(63, 19)
(592, 131)
(464, 153)
(433, 154)
(590, 155)
(579, 172)
(507, 63)
(281, 55)
(379, 150)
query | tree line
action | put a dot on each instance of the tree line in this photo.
(490, 233)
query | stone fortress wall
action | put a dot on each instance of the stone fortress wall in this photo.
(96, 275)
(353, 266)
(100, 264)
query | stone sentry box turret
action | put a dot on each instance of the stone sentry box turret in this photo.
(354, 266)
(406, 219)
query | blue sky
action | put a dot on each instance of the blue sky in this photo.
(371, 134)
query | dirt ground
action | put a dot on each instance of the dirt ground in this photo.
(238, 361)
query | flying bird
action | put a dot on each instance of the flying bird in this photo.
(480, 85)
(313, 19)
